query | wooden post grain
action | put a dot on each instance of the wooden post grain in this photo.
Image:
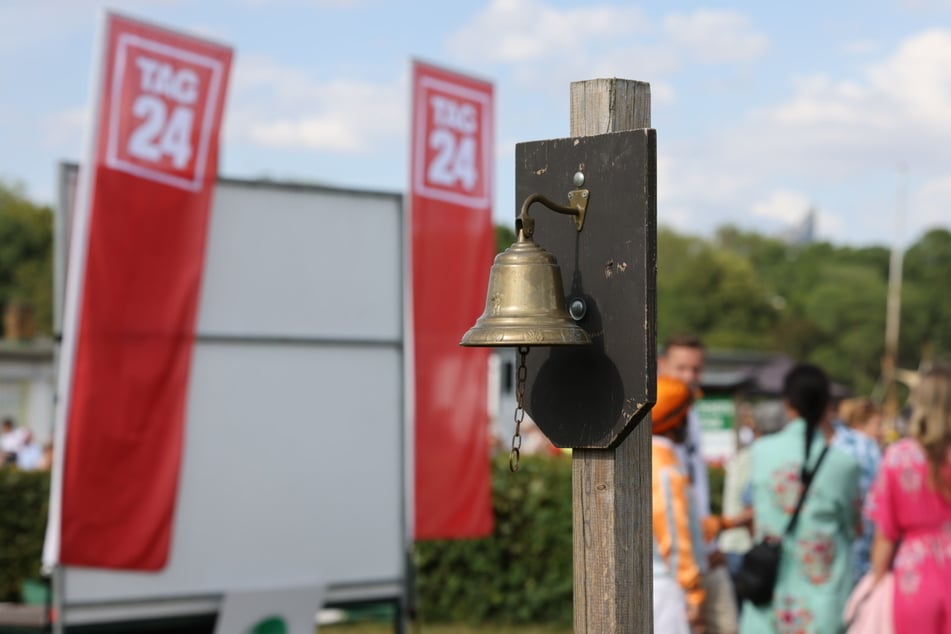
(611, 488)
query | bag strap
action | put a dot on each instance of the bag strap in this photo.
(802, 498)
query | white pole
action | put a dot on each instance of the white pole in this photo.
(893, 305)
(893, 314)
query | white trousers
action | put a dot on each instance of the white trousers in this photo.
(670, 607)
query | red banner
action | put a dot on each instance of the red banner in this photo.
(129, 333)
(453, 245)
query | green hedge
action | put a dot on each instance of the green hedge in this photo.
(522, 573)
(24, 503)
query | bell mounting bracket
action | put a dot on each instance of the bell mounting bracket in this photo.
(577, 207)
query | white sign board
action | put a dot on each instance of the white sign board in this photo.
(718, 428)
(294, 467)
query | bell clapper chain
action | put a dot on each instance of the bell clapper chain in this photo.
(519, 407)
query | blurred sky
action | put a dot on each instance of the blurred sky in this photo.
(763, 109)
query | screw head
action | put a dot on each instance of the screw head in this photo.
(577, 308)
(578, 179)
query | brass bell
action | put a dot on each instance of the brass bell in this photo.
(525, 301)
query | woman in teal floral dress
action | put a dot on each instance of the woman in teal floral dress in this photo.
(814, 572)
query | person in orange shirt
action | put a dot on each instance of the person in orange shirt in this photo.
(679, 532)
(675, 542)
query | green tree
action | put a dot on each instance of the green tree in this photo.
(504, 237)
(926, 306)
(847, 304)
(678, 307)
(26, 255)
(712, 291)
(820, 302)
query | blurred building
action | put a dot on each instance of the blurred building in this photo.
(803, 232)
(27, 382)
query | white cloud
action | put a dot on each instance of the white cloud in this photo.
(838, 139)
(545, 48)
(64, 130)
(505, 150)
(522, 31)
(791, 208)
(687, 174)
(716, 36)
(320, 4)
(917, 79)
(27, 24)
(821, 101)
(908, 92)
(282, 107)
(783, 205)
(518, 31)
(555, 46)
(662, 92)
(928, 206)
(670, 211)
(322, 133)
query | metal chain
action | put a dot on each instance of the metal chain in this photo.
(521, 375)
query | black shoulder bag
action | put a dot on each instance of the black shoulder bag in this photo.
(756, 578)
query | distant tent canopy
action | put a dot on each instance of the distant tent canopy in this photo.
(752, 374)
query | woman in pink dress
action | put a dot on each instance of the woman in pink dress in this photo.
(910, 504)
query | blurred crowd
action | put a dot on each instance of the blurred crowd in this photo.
(860, 527)
(18, 448)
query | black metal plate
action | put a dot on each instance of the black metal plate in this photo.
(593, 396)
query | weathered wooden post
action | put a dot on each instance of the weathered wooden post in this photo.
(596, 398)
(577, 298)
